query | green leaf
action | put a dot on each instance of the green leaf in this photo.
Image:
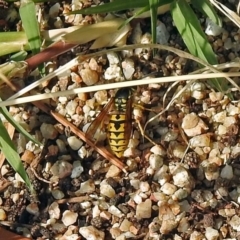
(117, 5)
(28, 16)
(10, 152)
(206, 8)
(195, 39)
(153, 5)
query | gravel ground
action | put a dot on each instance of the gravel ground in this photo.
(182, 185)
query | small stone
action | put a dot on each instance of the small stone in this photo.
(71, 107)
(182, 178)
(162, 33)
(212, 28)
(54, 210)
(196, 236)
(235, 223)
(128, 68)
(86, 187)
(115, 211)
(74, 142)
(158, 151)
(144, 186)
(125, 225)
(89, 77)
(33, 209)
(168, 188)
(61, 146)
(101, 97)
(168, 225)
(216, 96)
(48, 131)
(113, 171)
(107, 190)
(3, 215)
(115, 232)
(27, 156)
(91, 233)
(144, 209)
(193, 125)
(57, 194)
(227, 172)
(211, 233)
(77, 169)
(200, 141)
(69, 217)
(155, 161)
(61, 169)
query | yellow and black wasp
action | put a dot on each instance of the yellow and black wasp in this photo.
(119, 127)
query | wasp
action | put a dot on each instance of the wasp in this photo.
(119, 128)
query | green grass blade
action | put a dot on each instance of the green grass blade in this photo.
(11, 42)
(18, 127)
(153, 5)
(194, 38)
(206, 8)
(10, 152)
(117, 5)
(28, 16)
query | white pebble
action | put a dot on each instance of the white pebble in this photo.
(61, 169)
(115, 211)
(113, 171)
(144, 186)
(91, 233)
(211, 233)
(69, 217)
(86, 187)
(144, 209)
(212, 28)
(200, 141)
(74, 142)
(54, 210)
(77, 169)
(168, 188)
(71, 107)
(107, 190)
(89, 77)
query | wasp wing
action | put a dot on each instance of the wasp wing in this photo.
(98, 122)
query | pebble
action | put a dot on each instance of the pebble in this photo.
(3, 215)
(128, 68)
(77, 169)
(227, 172)
(135, 183)
(215, 96)
(162, 33)
(115, 211)
(125, 225)
(235, 223)
(193, 125)
(33, 209)
(212, 28)
(74, 142)
(71, 107)
(144, 209)
(155, 161)
(168, 189)
(182, 178)
(89, 77)
(48, 131)
(107, 190)
(86, 187)
(113, 171)
(101, 97)
(61, 145)
(61, 169)
(200, 141)
(158, 151)
(57, 194)
(211, 233)
(144, 186)
(69, 217)
(91, 233)
(54, 210)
